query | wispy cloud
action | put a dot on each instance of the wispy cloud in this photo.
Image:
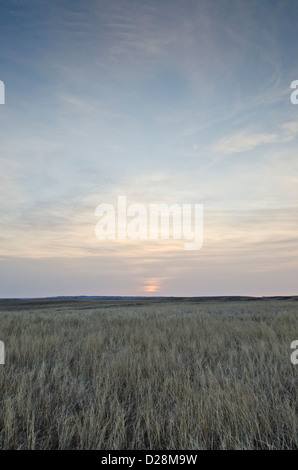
(245, 141)
(241, 142)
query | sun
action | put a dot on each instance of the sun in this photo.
(151, 288)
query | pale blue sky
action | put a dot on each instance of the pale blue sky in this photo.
(163, 101)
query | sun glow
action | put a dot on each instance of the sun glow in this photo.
(151, 288)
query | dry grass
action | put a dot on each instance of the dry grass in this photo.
(162, 376)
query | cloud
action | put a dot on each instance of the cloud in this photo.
(289, 130)
(244, 141)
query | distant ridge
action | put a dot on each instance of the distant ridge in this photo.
(83, 302)
(204, 297)
(189, 298)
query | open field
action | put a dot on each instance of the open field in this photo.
(148, 374)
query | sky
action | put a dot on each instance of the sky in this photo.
(167, 101)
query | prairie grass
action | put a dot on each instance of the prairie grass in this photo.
(212, 375)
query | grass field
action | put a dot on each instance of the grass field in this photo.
(157, 375)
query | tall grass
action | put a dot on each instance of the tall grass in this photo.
(162, 376)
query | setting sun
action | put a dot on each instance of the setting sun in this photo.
(151, 288)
